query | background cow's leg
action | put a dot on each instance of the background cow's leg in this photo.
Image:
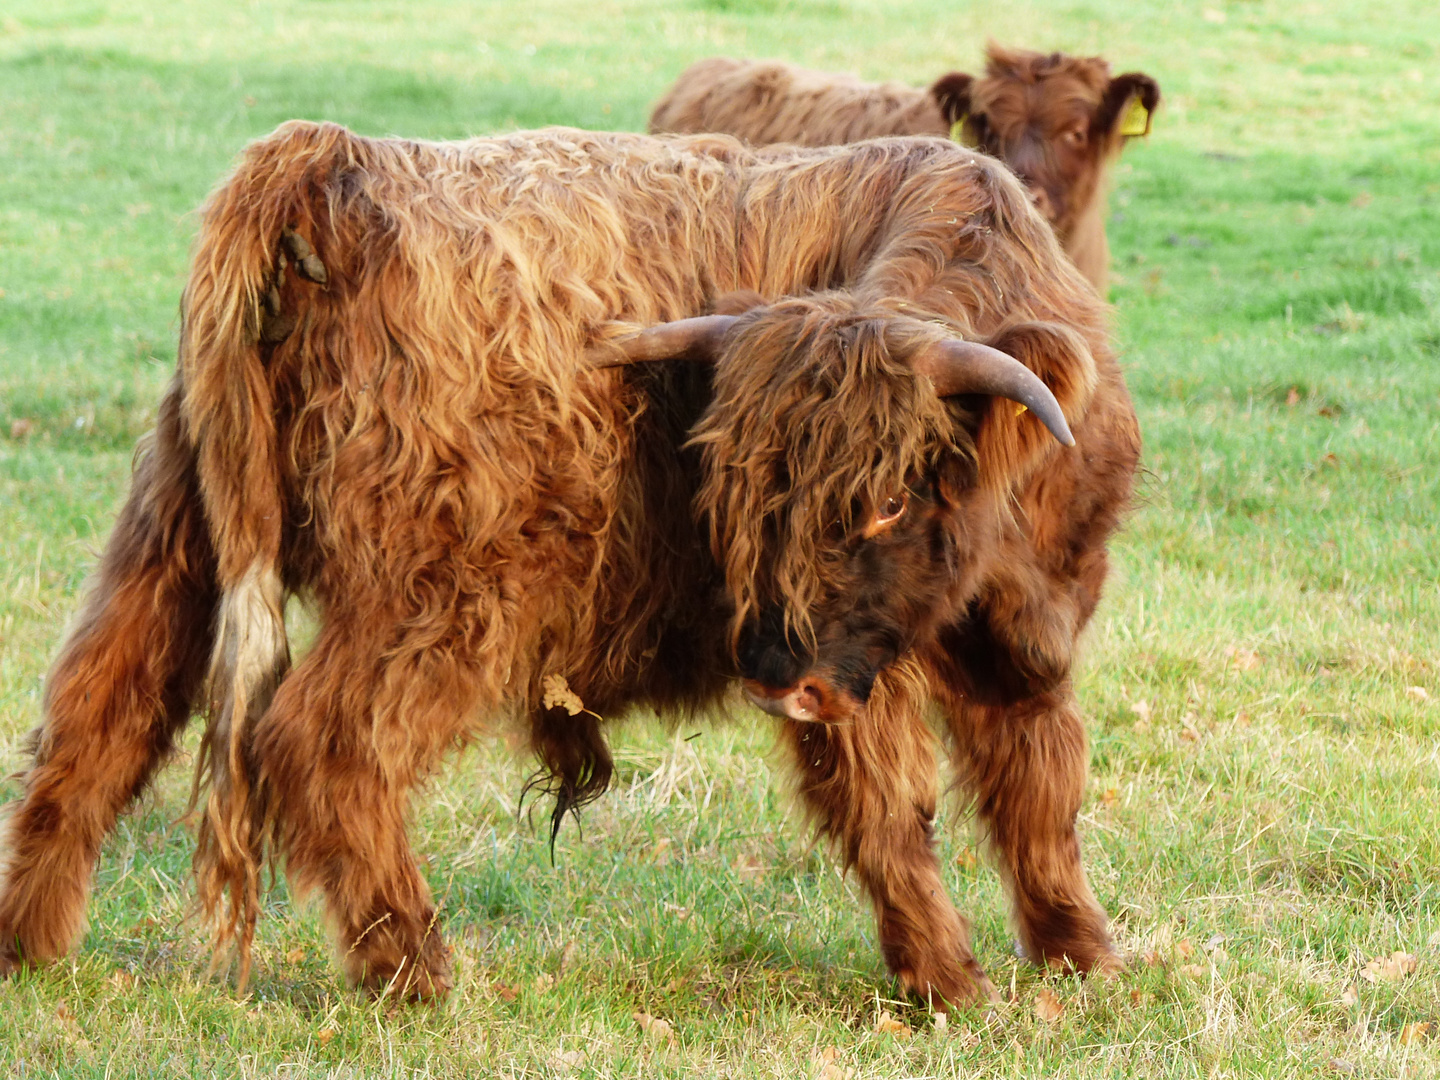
(1024, 761)
(870, 786)
(359, 721)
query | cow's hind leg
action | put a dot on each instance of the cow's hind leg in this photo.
(1023, 757)
(122, 687)
(359, 721)
(870, 786)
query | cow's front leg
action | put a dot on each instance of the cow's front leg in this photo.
(1024, 761)
(870, 786)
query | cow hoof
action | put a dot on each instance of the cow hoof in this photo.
(1107, 964)
(417, 980)
(960, 988)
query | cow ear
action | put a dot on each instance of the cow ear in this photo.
(699, 338)
(952, 93)
(1128, 105)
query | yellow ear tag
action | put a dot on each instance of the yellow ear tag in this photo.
(1019, 408)
(1136, 120)
(957, 131)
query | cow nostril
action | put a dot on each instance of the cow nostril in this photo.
(809, 697)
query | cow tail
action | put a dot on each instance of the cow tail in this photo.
(256, 267)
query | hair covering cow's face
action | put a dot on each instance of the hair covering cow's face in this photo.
(822, 450)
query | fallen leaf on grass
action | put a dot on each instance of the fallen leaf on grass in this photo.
(1109, 797)
(827, 1068)
(1340, 1065)
(942, 1022)
(21, 429)
(567, 1060)
(1185, 947)
(1189, 734)
(1151, 958)
(1390, 968)
(1417, 693)
(1195, 971)
(1246, 659)
(121, 980)
(748, 867)
(568, 956)
(294, 956)
(324, 1035)
(64, 1014)
(660, 853)
(1048, 1007)
(1417, 1032)
(1351, 996)
(504, 992)
(653, 1028)
(1292, 398)
(544, 981)
(885, 1024)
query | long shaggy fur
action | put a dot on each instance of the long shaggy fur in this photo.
(411, 439)
(1053, 118)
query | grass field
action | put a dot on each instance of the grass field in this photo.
(1262, 682)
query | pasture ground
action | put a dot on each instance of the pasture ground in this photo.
(1262, 682)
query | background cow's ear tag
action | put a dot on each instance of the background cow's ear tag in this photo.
(957, 131)
(1136, 120)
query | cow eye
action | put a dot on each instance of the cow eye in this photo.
(1076, 136)
(889, 512)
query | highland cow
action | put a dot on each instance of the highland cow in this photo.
(1058, 121)
(458, 398)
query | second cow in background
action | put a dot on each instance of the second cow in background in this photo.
(1058, 121)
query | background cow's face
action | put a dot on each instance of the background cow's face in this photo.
(831, 473)
(1054, 119)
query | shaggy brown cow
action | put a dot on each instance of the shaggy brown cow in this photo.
(456, 396)
(1058, 121)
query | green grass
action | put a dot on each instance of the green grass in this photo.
(1264, 816)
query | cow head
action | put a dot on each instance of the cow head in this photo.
(1054, 119)
(839, 485)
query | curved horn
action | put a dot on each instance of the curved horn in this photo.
(967, 367)
(689, 339)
